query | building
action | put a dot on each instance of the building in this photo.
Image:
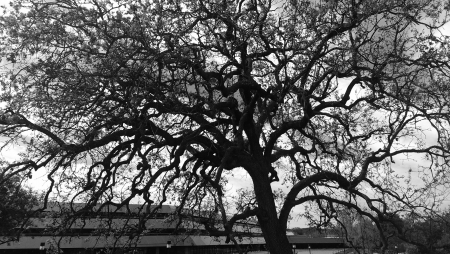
(106, 231)
(103, 231)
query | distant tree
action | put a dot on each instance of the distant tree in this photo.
(165, 101)
(429, 235)
(413, 232)
(297, 231)
(16, 207)
(358, 231)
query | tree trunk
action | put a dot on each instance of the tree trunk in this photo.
(274, 233)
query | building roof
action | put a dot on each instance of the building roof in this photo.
(299, 239)
(133, 208)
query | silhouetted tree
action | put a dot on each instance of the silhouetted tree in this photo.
(164, 101)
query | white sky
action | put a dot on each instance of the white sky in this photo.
(4, 2)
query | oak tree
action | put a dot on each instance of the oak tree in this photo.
(342, 103)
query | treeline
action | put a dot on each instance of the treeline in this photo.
(406, 233)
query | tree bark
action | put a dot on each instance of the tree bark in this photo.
(274, 232)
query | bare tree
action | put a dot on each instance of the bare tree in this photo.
(163, 101)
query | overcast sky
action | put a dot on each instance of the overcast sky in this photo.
(4, 2)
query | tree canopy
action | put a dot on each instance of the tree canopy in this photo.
(343, 103)
(16, 206)
(413, 233)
